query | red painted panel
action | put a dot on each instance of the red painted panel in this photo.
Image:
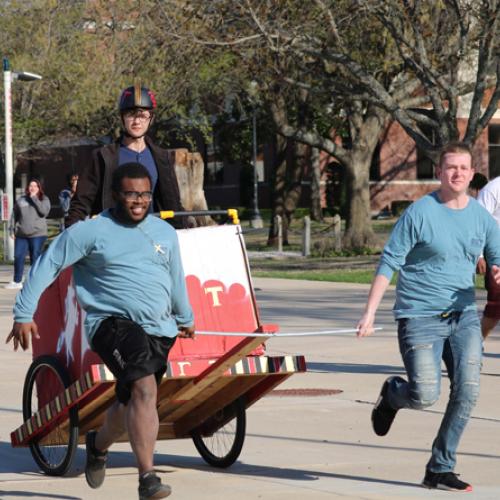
(218, 306)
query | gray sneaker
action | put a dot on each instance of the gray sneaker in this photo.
(150, 486)
(95, 467)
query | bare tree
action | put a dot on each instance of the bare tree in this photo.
(298, 90)
(377, 61)
(452, 48)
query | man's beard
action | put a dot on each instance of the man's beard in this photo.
(121, 213)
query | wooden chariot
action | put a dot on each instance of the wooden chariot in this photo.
(210, 381)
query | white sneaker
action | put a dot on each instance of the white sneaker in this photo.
(13, 285)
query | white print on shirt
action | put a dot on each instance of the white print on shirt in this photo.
(71, 319)
(118, 358)
(157, 246)
(158, 249)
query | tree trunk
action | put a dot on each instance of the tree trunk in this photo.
(316, 211)
(295, 174)
(365, 128)
(278, 188)
(189, 171)
(359, 233)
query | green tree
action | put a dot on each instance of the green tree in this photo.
(87, 52)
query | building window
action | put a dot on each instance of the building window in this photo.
(375, 164)
(494, 150)
(215, 167)
(425, 166)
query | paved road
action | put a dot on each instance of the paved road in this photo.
(297, 447)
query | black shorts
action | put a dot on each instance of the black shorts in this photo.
(130, 353)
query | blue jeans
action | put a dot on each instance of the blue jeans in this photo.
(423, 342)
(21, 247)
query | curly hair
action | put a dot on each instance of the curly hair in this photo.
(130, 170)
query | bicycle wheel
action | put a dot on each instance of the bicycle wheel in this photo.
(46, 378)
(220, 438)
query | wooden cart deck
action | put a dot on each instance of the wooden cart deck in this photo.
(184, 402)
(204, 376)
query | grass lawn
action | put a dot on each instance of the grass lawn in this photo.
(361, 276)
(342, 276)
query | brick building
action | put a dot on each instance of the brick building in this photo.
(400, 172)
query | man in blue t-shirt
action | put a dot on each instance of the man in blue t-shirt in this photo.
(121, 260)
(435, 246)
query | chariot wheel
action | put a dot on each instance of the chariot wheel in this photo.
(220, 438)
(46, 378)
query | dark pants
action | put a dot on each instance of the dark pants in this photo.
(21, 247)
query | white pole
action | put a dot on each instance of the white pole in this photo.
(9, 187)
(306, 237)
(277, 334)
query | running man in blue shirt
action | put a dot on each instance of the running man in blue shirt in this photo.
(129, 279)
(435, 246)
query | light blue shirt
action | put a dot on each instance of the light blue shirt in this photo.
(435, 249)
(133, 272)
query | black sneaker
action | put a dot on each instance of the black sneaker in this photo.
(95, 467)
(382, 414)
(444, 481)
(150, 486)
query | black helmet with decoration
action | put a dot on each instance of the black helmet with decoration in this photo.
(137, 97)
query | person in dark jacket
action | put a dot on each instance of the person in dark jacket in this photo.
(28, 226)
(93, 193)
(66, 195)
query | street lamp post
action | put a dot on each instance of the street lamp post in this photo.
(8, 77)
(255, 219)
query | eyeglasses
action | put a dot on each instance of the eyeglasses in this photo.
(140, 114)
(135, 195)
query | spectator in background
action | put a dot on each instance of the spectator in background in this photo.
(476, 184)
(489, 198)
(28, 227)
(66, 195)
(94, 194)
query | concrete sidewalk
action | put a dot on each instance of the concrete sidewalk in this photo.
(297, 447)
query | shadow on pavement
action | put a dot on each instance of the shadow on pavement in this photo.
(365, 445)
(11, 410)
(27, 494)
(20, 461)
(491, 355)
(240, 468)
(319, 367)
(308, 475)
(15, 460)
